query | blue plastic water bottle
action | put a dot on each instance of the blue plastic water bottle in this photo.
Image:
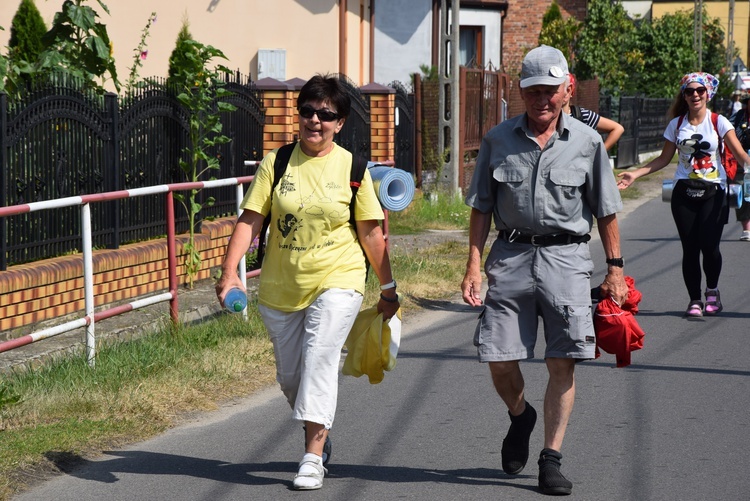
(235, 300)
(746, 185)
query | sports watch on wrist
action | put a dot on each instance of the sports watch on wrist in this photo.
(616, 261)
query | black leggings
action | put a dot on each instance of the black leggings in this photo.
(700, 224)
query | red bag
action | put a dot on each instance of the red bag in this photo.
(617, 331)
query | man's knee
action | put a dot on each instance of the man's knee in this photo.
(560, 369)
(503, 369)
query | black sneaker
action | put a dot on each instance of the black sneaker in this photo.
(551, 481)
(327, 451)
(515, 451)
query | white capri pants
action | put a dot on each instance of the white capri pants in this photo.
(307, 345)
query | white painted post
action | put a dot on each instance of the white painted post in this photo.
(88, 283)
(243, 262)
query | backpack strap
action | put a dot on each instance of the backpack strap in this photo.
(359, 166)
(715, 123)
(283, 155)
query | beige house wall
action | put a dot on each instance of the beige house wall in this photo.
(718, 10)
(307, 29)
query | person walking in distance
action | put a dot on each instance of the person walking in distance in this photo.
(699, 201)
(543, 177)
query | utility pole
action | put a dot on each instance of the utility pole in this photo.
(449, 107)
(698, 32)
(730, 37)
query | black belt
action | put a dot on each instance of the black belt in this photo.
(543, 240)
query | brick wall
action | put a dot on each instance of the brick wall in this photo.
(382, 121)
(52, 288)
(522, 25)
(280, 103)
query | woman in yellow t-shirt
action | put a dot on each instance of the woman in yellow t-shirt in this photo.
(313, 272)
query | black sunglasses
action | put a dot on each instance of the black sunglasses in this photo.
(690, 92)
(323, 115)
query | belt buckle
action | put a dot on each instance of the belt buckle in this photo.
(534, 242)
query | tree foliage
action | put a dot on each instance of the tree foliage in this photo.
(668, 43)
(551, 14)
(635, 57)
(26, 32)
(606, 47)
(561, 34)
(79, 44)
(182, 55)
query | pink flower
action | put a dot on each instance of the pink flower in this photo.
(144, 54)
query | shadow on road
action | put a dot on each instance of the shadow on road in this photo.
(149, 463)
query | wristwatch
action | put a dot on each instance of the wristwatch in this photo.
(389, 285)
(616, 261)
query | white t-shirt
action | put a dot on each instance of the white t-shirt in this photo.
(697, 156)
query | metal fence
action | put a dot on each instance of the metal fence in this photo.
(644, 120)
(482, 94)
(355, 135)
(59, 141)
(404, 135)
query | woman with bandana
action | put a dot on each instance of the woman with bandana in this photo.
(699, 203)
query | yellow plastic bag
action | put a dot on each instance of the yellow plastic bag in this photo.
(372, 345)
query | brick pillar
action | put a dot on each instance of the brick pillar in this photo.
(280, 107)
(522, 25)
(382, 121)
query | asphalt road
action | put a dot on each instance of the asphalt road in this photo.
(672, 426)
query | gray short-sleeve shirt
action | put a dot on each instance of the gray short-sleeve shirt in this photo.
(555, 190)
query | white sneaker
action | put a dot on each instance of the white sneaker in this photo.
(310, 474)
(745, 237)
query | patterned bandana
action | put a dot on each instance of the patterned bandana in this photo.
(710, 82)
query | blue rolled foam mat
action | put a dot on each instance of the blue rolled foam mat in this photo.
(394, 187)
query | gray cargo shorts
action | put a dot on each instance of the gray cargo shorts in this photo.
(526, 283)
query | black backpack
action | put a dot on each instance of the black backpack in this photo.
(359, 166)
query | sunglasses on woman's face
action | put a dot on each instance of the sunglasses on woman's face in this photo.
(323, 115)
(688, 91)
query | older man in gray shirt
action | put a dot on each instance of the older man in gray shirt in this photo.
(542, 176)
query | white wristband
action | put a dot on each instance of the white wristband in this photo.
(389, 285)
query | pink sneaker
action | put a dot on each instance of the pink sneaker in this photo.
(713, 302)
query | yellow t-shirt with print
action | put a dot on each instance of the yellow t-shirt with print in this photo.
(311, 246)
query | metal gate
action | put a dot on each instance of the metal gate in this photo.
(405, 128)
(355, 134)
(644, 120)
(627, 147)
